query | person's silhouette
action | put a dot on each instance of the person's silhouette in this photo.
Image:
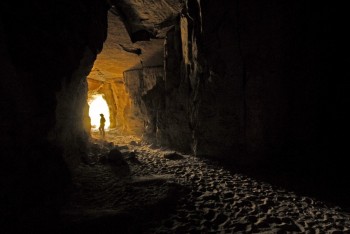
(102, 125)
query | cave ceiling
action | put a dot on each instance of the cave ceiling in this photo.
(147, 18)
(123, 50)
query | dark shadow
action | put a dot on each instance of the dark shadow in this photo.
(308, 171)
(117, 202)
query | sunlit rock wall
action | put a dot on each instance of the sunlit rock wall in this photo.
(124, 122)
(145, 87)
(107, 92)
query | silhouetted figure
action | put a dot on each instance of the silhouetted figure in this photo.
(102, 125)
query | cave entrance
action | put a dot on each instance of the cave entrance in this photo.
(98, 105)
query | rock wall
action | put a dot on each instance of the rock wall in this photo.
(107, 90)
(243, 81)
(146, 87)
(70, 132)
(266, 88)
(46, 51)
(123, 103)
(176, 129)
(257, 78)
(160, 97)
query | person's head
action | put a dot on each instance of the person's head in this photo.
(101, 115)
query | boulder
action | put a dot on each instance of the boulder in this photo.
(116, 157)
(173, 156)
(134, 143)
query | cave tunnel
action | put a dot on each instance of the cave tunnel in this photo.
(121, 71)
(221, 116)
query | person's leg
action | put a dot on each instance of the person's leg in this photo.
(103, 131)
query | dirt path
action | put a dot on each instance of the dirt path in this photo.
(162, 192)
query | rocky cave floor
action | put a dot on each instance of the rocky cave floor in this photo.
(147, 189)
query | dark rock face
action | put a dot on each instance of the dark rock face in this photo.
(70, 132)
(177, 94)
(246, 82)
(263, 90)
(257, 74)
(252, 83)
(46, 51)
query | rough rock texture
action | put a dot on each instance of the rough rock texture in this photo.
(215, 96)
(160, 97)
(176, 127)
(249, 83)
(145, 87)
(257, 75)
(117, 55)
(263, 90)
(148, 19)
(107, 76)
(46, 51)
(122, 100)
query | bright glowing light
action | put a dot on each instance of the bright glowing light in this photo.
(98, 105)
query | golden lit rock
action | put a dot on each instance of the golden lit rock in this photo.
(107, 77)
